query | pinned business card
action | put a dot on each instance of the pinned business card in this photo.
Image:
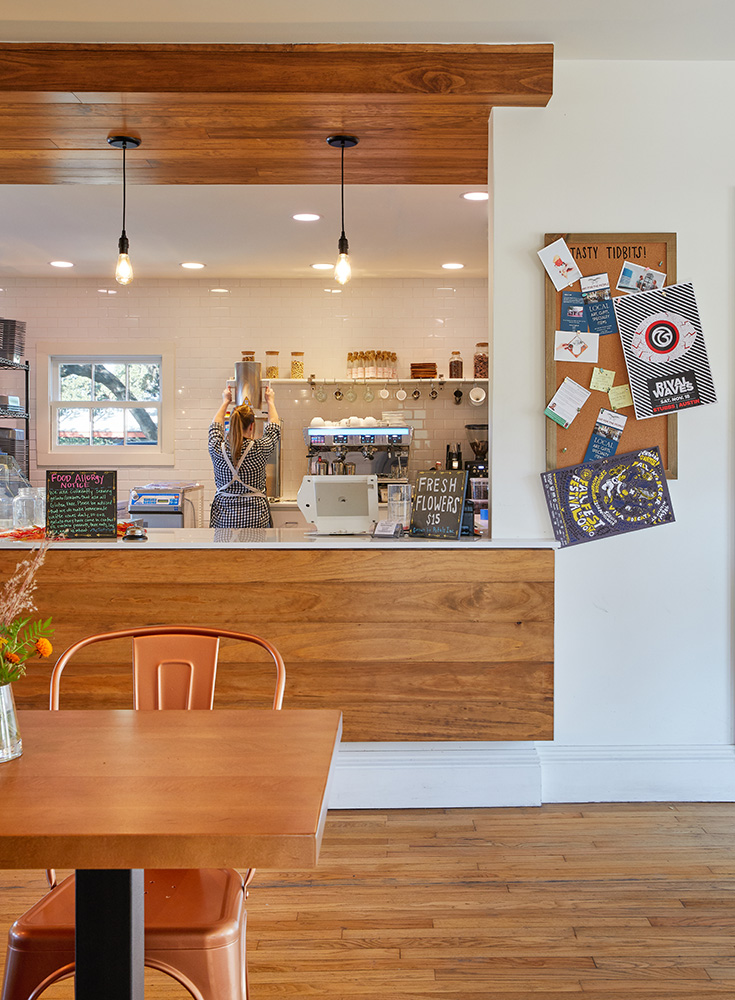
(566, 402)
(559, 263)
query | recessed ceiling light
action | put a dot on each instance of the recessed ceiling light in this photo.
(476, 196)
(192, 265)
(453, 267)
(306, 217)
(220, 291)
(323, 267)
(61, 263)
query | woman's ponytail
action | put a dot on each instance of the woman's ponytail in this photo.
(241, 419)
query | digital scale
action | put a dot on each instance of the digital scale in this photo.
(168, 505)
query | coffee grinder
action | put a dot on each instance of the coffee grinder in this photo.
(454, 457)
(478, 438)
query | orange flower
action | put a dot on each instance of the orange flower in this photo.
(12, 657)
(43, 647)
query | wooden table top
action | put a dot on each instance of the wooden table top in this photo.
(173, 789)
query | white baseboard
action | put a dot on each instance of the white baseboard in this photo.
(446, 775)
(637, 773)
(435, 775)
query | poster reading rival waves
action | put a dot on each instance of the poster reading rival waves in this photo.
(608, 497)
(664, 350)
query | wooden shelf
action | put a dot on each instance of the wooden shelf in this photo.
(376, 381)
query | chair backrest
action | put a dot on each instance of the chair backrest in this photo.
(174, 666)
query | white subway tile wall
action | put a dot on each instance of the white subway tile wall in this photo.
(420, 319)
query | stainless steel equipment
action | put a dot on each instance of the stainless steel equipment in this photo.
(168, 505)
(477, 435)
(361, 451)
(247, 388)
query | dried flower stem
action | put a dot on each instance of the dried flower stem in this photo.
(16, 595)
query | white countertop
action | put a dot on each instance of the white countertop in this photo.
(280, 538)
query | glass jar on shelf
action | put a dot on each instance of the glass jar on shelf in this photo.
(297, 364)
(481, 360)
(39, 515)
(24, 508)
(360, 367)
(350, 370)
(271, 364)
(370, 367)
(456, 365)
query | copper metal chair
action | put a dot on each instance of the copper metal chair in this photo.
(195, 919)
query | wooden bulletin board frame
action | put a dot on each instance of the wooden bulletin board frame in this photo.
(593, 254)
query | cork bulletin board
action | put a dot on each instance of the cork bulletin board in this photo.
(595, 253)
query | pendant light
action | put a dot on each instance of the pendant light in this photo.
(342, 269)
(124, 269)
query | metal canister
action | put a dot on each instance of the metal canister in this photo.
(247, 384)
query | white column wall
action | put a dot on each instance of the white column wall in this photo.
(643, 629)
(643, 659)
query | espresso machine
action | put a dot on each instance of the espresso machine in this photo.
(478, 439)
(361, 451)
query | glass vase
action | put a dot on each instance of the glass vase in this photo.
(11, 745)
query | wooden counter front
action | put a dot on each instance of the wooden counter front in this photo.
(411, 644)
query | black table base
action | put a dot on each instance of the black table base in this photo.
(110, 932)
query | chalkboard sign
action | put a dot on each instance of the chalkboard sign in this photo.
(437, 504)
(81, 503)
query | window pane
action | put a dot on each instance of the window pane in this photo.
(73, 426)
(144, 381)
(107, 426)
(142, 425)
(109, 381)
(75, 382)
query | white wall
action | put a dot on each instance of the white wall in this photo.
(643, 633)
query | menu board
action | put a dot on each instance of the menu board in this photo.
(438, 503)
(81, 503)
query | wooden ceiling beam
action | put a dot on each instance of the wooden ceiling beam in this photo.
(222, 114)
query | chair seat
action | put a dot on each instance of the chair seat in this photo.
(184, 909)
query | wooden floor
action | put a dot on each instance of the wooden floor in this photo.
(615, 902)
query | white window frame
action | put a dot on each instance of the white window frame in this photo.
(50, 454)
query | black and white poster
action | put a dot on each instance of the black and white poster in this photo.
(608, 497)
(664, 350)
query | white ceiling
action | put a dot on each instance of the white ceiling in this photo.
(248, 231)
(240, 231)
(579, 29)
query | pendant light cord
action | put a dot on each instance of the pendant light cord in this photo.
(342, 188)
(124, 147)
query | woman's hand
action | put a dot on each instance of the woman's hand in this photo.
(270, 398)
(227, 395)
